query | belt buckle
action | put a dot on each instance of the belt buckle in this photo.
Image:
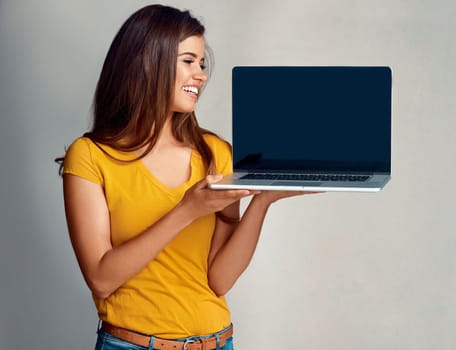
(187, 342)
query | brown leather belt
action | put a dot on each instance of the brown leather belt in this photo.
(165, 344)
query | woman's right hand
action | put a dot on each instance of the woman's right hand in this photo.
(200, 200)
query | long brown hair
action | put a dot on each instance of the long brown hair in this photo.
(136, 84)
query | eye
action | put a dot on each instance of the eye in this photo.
(191, 61)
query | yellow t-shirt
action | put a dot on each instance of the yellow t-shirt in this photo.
(170, 298)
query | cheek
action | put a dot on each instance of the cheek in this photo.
(180, 74)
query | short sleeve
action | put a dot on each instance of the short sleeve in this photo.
(79, 161)
(222, 154)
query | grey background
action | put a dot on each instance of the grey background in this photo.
(332, 271)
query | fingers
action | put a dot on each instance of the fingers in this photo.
(213, 200)
(210, 179)
(238, 193)
(273, 196)
(228, 194)
(200, 200)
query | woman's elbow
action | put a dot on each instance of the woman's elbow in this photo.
(99, 288)
(218, 291)
(219, 286)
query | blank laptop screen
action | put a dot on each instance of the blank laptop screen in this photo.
(312, 118)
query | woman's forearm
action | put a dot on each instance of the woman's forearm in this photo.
(121, 263)
(236, 254)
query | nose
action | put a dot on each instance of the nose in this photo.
(199, 74)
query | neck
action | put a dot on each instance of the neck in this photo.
(166, 137)
(166, 134)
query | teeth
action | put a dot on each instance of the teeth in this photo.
(192, 89)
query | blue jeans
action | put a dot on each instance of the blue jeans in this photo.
(106, 341)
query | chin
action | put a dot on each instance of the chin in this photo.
(185, 109)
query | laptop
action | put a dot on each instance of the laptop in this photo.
(307, 128)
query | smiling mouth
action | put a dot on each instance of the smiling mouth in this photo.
(192, 89)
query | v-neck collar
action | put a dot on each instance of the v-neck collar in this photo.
(139, 164)
(175, 191)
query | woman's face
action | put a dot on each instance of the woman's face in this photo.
(190, 74)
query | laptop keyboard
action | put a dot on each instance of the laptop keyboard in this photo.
(306, 177)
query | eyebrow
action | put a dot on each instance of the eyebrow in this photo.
(191, 54)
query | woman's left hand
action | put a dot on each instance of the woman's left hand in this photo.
(270, 197)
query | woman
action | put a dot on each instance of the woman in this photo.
(157, 248)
